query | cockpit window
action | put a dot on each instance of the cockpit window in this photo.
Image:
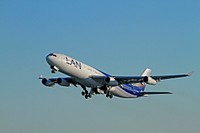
(52, 55)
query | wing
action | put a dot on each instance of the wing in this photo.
(61, 81)
(119, 79)
(134, 79)
(67, 81)
(158, 78)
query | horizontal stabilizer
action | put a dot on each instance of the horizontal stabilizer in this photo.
(152, 93)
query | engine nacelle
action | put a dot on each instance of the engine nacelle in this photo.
(111, 81)
(47, 82)
(63, 82)
(149, 80)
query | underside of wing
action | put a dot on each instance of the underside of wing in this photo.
(117, 80)
(158, 78)
(61, 81)
(129, 79)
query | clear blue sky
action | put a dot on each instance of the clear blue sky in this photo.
(118, 37)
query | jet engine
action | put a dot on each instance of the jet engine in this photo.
(149, 80)
(63, 82)
(47, 82)
(111, 81)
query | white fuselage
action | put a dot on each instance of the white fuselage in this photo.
(82, 73)
(100, 82)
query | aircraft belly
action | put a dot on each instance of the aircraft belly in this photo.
(88, 82)
(117, 91)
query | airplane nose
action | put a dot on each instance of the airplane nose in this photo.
(50, 58)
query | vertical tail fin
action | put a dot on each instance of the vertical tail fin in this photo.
(146, 72)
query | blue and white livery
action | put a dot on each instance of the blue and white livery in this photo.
(100, 82)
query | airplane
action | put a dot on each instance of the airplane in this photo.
(100, 82)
